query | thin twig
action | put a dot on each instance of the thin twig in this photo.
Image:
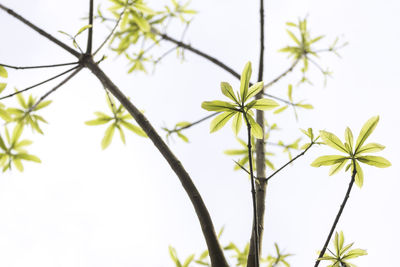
(283, 74)
(55, 88)
(90, 32)
(253, 192)
(111, 33)
(286, 164)
(279, 99)
(38, 67)
(41, 32)
(194, 123)
(36, 85)
(165, 54)
(346, 197)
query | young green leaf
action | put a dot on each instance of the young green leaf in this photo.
(333, 141)
(366, 131)
(375, 161)
(371, 147)
(218, 105)
(328, 160)
(237, 123)
(253, 90)
(265, 104)
(108, 136)
(359, 179)
(2, 86)
(244, 81)
(136, 129)
(227, 90)
(337, 167)
(256, 129)
(281, 109)
(220, 121)
(3, 72)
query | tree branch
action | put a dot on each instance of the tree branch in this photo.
(346, 197)
(294, 64)
(55, 88)
(40, 31)
(90, 32)
(193, 123)
(216, 254)
(38, 67)
(36, 85)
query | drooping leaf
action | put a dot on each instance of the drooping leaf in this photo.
(366, 131)
(218, 105)
(3, 72)
(237, 123)
(333, 141)
(256, 129)
(136, 129)
(108, 136)
(183, 137)
(359, 179)
(220, 121)
(2, 86)
(328, 160)
(376, 161)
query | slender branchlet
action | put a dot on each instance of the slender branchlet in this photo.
(55, 88)
(255, 236)
(38, 84)
(193, 123)
(346, 197)
(90, 32)
(283, 74)
(41, 32)
(39, 66)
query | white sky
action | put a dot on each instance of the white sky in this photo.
(121, 207)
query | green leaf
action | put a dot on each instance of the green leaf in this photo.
(290, 91)
(142, 23)
(43, 104)
(83, 29)
(328, 160)
(227, 90)
(188, 261)
(359, 179)
(144, 9)
(333, 141)
(234, 152)
(305, 106)
(237, 123)
(316, 39)
(136, 129)
(3, 72)
(366, 131)
(371, 147)
(28, 157)
(265, 104)
(337, 167)
(108, 136)
(21, 100)
(281, 109)
(294, 38)
(256, 129)
(18, 164)
(17, 132)
(98, 121)
(121, 134)
(244, 81)
(2, 86)
(4, 115)
(183, 137)
(219, 121)
(376, 161)
(218, 105)
(348, 136)
(254, 90)
(2, 144)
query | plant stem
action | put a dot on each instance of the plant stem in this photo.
(346, 197)
(90, 32)
(41, 32)
(216, 254)
(39, 66)
(255, 236)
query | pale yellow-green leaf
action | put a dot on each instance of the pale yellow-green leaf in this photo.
(328, 160)
(370, 148)
(142, 23)
(97, 121)
(183, 137)
(108, 135)
(17, 132)
(337, 167)
(83, 29)
(21, 100)
(265, 104)
(348, 136)
(333, 141)
(43, 104)
(2, 86)
(121, 134)
(29, 157)
(256, 129)
(366, 131)
(354, 253)
(305, 106)
(294, 38)
(220, 121)
(253, 90)
(234, 152)
(290, 91)
(18, 164)
(218, 105)
(3, 72)
(237, 123)
(281, 109)
(227, 90)
(4, 115)
(245, 80)
(145, 9)
(375, 161)
(136, 129)
(359, 179)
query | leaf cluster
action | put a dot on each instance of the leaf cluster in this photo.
(119, 119)
(341, 254)
(355, 152)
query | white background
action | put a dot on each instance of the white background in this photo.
(122, 207)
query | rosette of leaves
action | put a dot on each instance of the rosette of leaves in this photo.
(355, 152)
(292, 103)
(341, 254)
(241, 107)
(117, 120)
(26, 114)
(279, 259)
(14, 153)
(180, 10)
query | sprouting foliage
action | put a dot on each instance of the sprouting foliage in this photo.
(73, 37)
(341, 254)
(118, 119)
(241, 107)
(292, 103)
(279, 259)
(354, 151)
(14, 153)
